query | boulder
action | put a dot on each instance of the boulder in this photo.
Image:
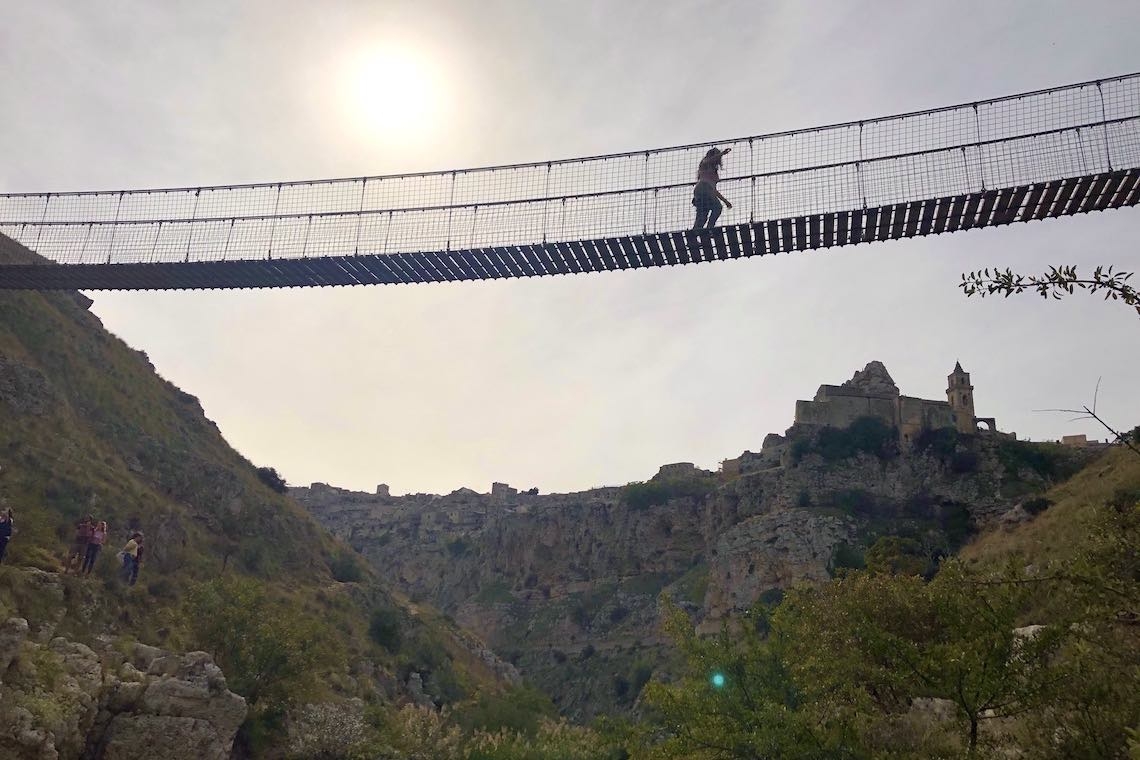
(173, 697)
(142, 655)
(142, 737)
(13, 633)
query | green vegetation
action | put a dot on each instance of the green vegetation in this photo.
(896, 555)
(1049, 461)
(792, 684)
(458, 547)
(497, 592)
(866, 435)
(345, 568)
(384, 629)
(270, 657)
(658, 491)
(519, 709)
(270, 477)
(846, 557)
(692, 586)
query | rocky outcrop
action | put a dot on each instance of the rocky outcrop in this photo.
(873, 380)
(561, 583)
(64, 701)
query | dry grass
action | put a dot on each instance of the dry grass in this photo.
(1057, 532)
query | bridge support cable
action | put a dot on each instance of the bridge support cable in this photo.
(1026, 157)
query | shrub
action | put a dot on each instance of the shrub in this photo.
(271, 652)
(956, 522)
(963, 462)
(855, 502)
(895, 555)
(1123, 498)
(846, 557)
(642, 672)
(327, 731)
(1036, 505)
(384, 629)
(586, 653)
(803, 499)
(162, 589)
(658, 491)
(1050, 462)
(941, 443)
(772, 597)
(867, 435)
(519, 708)
(270, 477)
(618, 614)
(458, 547)
(345, 568)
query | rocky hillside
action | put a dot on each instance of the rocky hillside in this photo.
(88, 427)
(566, 585)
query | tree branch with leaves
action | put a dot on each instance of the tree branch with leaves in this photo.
(1056, 283)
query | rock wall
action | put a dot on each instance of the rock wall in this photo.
(566, 585)
(64, 700)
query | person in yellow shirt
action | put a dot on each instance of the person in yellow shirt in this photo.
(132, 555)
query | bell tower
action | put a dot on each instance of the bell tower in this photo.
(960, 394)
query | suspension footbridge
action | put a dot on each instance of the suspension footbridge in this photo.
(1032, 156)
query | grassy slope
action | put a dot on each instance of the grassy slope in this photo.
(1056, 533)
(87, 426)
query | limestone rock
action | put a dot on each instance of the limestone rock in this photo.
(144, 737)
(416, 690)
(771, 551)
(13, 632)
(223, 710)
(142, 655)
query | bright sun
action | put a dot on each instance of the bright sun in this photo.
(396, 92)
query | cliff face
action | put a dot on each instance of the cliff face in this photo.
(566, 585)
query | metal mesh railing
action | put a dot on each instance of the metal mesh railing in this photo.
(1034, 137)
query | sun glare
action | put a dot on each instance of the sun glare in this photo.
(396, 93)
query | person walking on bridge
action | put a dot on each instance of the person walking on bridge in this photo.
(706, 197)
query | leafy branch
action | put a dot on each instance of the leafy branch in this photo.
(1055, 283)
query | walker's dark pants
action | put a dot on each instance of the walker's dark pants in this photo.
(708, 208)
(130, 570)
(3, 548)
(92, 555)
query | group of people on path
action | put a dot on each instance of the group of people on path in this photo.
(90, 537)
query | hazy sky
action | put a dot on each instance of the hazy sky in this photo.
(571, 382)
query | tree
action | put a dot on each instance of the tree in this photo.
(735, 699)
(1055, 283)
(870, 644)
(271, 654)
(896, 555)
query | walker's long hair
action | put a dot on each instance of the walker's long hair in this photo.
(713, 157)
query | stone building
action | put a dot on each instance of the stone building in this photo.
(872, 393)
(677, 470)
(503, 491)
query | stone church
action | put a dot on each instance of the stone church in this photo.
(872, 393)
